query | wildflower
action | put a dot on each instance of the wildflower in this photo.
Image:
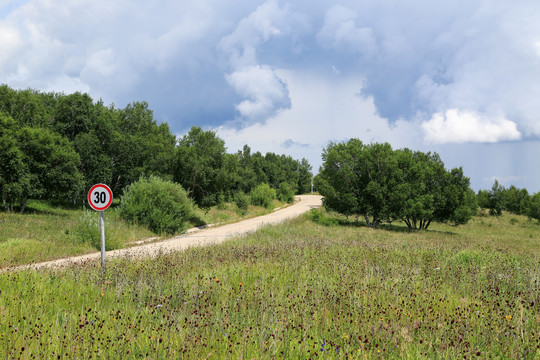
(102, 294)
(216, 280)
(240, 284)
(508, 317)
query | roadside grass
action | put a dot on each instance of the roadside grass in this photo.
(294, 291)
(45, 232)
(230, 213)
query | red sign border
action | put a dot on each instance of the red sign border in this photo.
(110, 199)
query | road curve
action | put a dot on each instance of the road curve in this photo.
(202, 237)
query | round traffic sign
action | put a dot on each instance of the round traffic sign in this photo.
(100, 197)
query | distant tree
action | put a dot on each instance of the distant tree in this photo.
(495, 199)
(198, 164)
(533, 209)
(483, 199)
(304, 177)
(515, 200)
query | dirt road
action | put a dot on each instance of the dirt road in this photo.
(198, 238)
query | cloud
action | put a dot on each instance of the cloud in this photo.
(289, 143)
(340, 31)
(456, 126)
(264, 90)
(324, 107)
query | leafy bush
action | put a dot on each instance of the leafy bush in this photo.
(262, 195)
(161, 205)
(285, 192)
(242, 201)
(318, 217)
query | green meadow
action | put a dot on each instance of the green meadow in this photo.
(299, 290)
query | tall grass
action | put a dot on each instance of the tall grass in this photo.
(45, 233)
(298, 290)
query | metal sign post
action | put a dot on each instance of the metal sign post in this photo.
(102, 231)
(100, 198)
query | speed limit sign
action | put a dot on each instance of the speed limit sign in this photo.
(100, 197)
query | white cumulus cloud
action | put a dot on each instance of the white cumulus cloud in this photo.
(264, 91)
(456, 126)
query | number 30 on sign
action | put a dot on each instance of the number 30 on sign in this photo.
(100, 197)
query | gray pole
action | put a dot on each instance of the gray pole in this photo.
(102, 228)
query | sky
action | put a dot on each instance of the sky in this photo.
(460, 78)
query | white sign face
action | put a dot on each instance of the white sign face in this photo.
(100, 197)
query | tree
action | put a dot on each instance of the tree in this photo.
(198, 165)
(533, 209)
(14, 177)
(139, 146)
(515, 200)
(495, 199)
(74, 114)
(384, 185)
(53, 166)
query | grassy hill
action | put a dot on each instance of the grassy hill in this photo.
(295, 291)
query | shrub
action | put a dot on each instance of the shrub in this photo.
(318, 217)
(262, 195)
(285, 192)
(242, 201)
(161, 205)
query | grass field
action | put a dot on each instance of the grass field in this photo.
(295, 291)
(45, 232)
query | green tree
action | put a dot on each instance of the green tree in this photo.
(14, 176)
(533, 209)
(73, 115)
(198, 165)
(495, 199)
(53, 166)
(139, 146)
(384, 185)
(515, 200)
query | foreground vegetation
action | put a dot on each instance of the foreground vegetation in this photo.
(298, 290)
(46, 233)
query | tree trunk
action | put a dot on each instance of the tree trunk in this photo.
(24, 200)
(4, 202)
(367, 220)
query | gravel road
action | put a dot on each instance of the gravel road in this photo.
(202, 237)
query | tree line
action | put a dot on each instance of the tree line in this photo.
(55, 146)
(512, 199)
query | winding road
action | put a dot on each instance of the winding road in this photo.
(201, 237)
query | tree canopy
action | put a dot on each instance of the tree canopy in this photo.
(55, 146)
(385, 185)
